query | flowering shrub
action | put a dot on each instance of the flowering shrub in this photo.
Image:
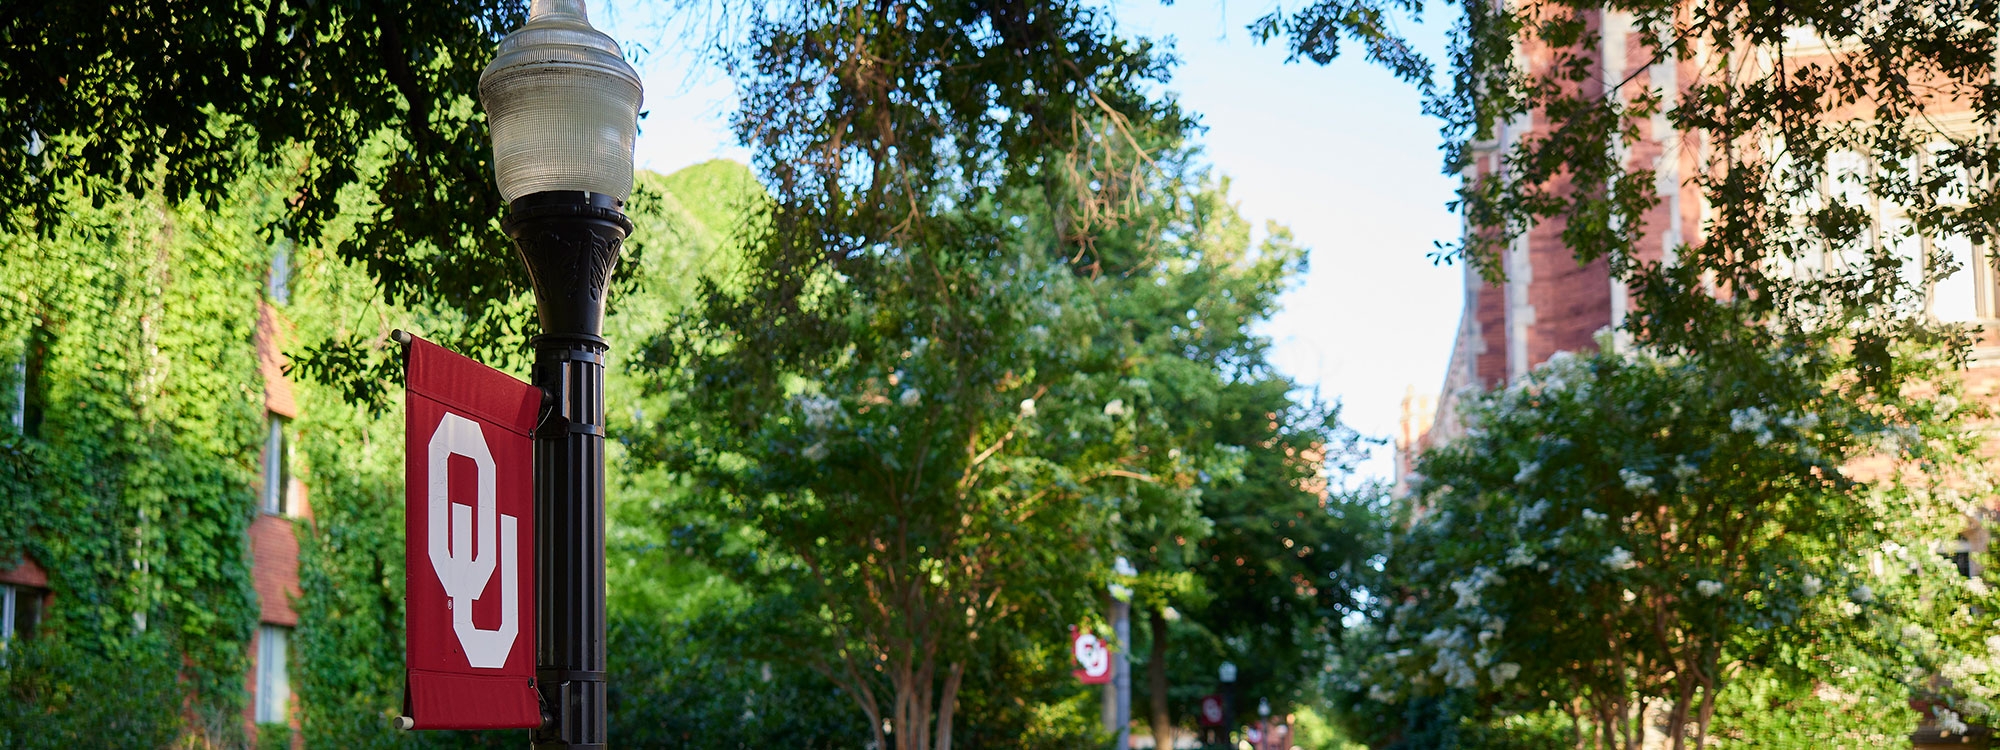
(1618, 535)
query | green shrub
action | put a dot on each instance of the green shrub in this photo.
(55, 694)
(273, 735)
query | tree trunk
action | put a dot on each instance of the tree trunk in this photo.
(946, 705)
(1156, 681)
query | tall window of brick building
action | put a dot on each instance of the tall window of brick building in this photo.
(278, 284)
(274, 684)
(22, 378)
(1970, 294)
(20, 612)
(277, 468)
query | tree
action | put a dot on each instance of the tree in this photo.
(1623, 530)
(100, 96)
(898, 405)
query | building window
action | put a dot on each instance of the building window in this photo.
(277, 469)
(17, 393)
(279, 284)
(20, 612)
(274, 684)
(23, 379)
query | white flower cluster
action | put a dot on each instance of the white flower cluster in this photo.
(1531, 514)
(1948, 722)
(1527, 472)
(1592, 516)
(1520, 557)
(1751, 420)
(1027, 408)
(819, 411)
(1619, 559)
(1556, 374)
(910, 397)
(1115, 408)
(1811, 586)
(1708, 588)
(1468, 589)
(1636, 482)
(1451, 664)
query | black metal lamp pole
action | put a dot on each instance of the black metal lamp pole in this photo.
(1227, 674)
(563, 106)
(570, 242)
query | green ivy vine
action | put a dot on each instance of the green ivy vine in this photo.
(131, 479)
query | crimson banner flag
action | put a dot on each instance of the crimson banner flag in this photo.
(1211, 711)
(469, 543)
(1092, 655)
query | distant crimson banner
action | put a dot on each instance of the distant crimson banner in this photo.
(469, 544)
(1092, 654)
(1211, 711)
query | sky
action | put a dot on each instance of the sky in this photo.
(1341, 154)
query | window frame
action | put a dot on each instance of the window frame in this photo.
(272, 703)
(277, 471)
(278, 278)
(12, 610)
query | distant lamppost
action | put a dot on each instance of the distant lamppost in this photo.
(563, 106)
(1264, 722)
(1227, 674)
(1120, 713)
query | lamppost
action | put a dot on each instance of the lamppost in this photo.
(563, 106)
(1227, 674)
(1121, 674)
(1264, 722)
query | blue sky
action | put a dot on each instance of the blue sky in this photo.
(1341, 154)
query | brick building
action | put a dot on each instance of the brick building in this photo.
(274, 541)
(1550, 303)
(27, 592)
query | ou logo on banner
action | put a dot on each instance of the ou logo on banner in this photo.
(1093, 657)
(465, 559)
(458, 412)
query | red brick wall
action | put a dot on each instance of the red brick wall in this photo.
(1572, 302)
(26, 574)
(1490, 365)
(274, 568)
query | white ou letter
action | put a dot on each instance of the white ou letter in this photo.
(1092, 655)
(461, 566)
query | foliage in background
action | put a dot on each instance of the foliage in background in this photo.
(315, 90)
(1254, 579)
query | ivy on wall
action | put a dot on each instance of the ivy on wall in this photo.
(131, 332)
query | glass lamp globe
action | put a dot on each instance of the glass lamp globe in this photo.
(563, 105)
